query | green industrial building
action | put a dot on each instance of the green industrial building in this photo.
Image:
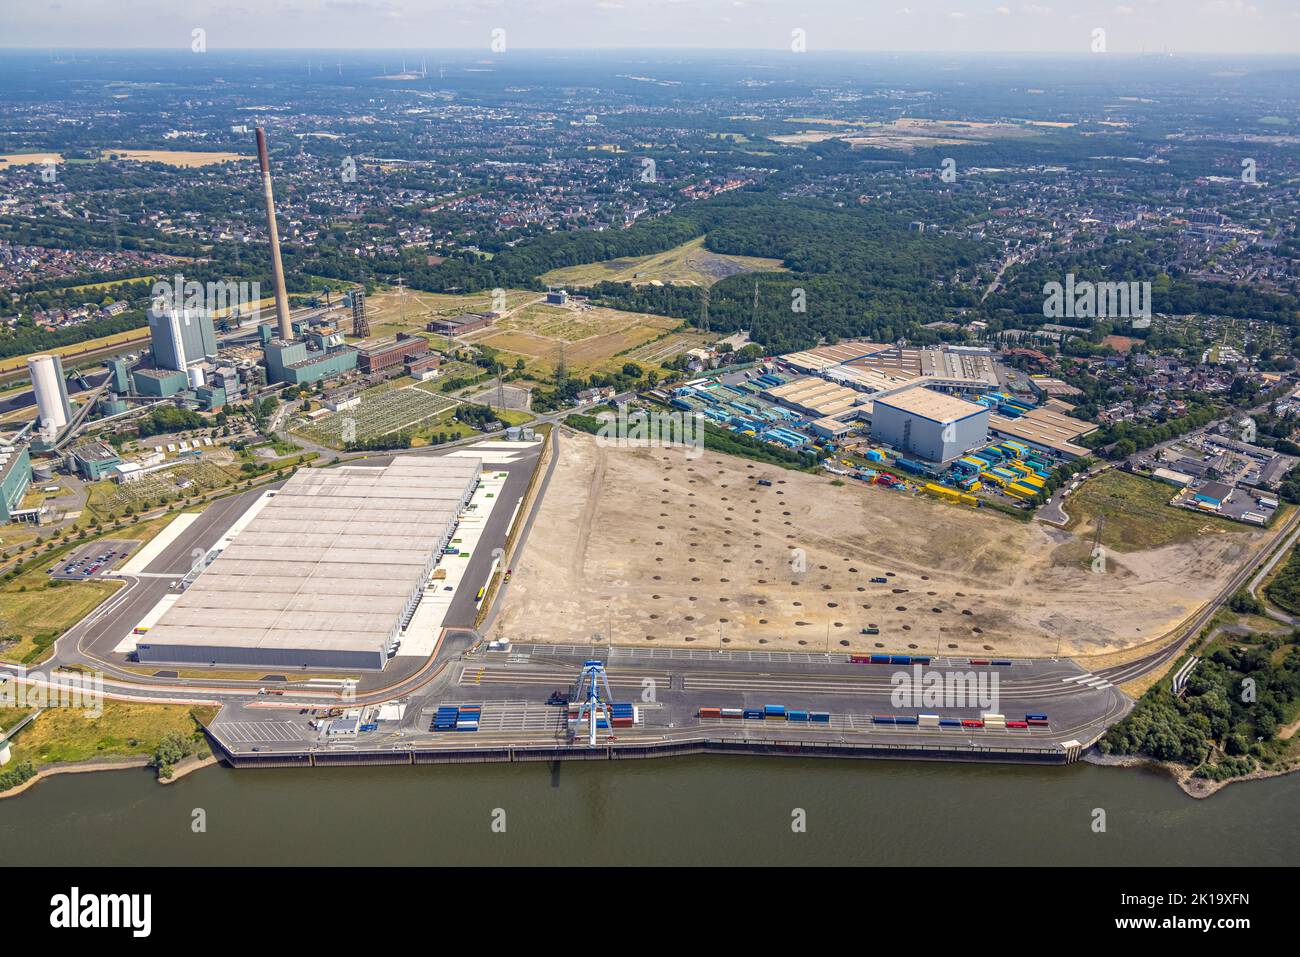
(94, 460)
(118, 376)
(322, 355)
(15, 477)
(159, 382)
(211, 397)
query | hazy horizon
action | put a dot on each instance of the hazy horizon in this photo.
(1190, 27)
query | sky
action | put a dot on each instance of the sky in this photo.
(950, 26)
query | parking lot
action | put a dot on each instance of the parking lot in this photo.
(92, 560)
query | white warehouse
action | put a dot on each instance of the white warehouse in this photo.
(326, 575)
(929, 424)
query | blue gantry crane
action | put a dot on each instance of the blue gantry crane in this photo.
(594, 707)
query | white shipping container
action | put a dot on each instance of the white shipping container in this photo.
(928, 720)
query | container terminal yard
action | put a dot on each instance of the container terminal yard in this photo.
(437, 689)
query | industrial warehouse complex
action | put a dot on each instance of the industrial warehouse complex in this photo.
(326, 574)
(935, 426)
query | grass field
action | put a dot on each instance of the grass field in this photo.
(594, 339)
(125, 729)
(390, 311)
(33, 608)
(44, 610)
(689, 264)
(1138, 514)
(184, 158)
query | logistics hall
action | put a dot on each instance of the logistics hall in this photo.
(326, 574)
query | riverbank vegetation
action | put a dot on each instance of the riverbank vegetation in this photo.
(164, 734)
(1284, 589)
(1237, 717)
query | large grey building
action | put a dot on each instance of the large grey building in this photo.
(180, 337)
(929, 424)
(326, 574)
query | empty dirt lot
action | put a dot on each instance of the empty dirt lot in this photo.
(660, 548)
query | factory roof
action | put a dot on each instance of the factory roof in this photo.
(1045, 427)
(929, 404)
(331, 562)
(95, 452)
(823, 357)
(815, 396)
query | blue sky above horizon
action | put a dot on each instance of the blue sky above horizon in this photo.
(952, 26)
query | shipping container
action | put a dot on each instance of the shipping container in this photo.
(733, 712)
(823, 717)
(710, 712)
(754, 713)
(1017, 724)
(971, 723)
(949, 723)
(796, 716)
(882, 719)
(928, 720)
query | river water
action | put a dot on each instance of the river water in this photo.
(698, 810)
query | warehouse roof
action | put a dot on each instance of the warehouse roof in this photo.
(823, 357)
(332, 562)
(1047, 428)
(929, 404)
(815, 396)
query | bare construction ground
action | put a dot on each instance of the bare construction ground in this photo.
(660, 549)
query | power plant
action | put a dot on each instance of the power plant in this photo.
(321, 353)
(277, 267)
(52, 408)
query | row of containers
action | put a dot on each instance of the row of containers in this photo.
(769, 712)
(620, 714)
(989, 721)
(778, 712)
(452, 717)
(920, 660)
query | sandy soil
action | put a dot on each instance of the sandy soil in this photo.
(657, 547)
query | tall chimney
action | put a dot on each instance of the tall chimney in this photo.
(277, 268)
